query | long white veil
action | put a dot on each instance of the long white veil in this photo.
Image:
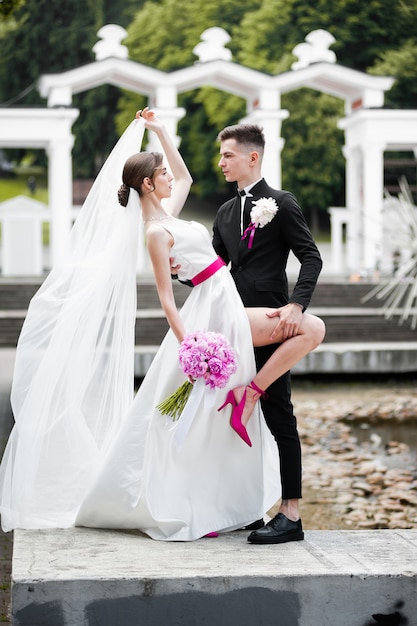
(73, 378)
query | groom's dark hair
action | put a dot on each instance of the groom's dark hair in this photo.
(247, 134)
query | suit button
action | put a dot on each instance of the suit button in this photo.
(240, 268)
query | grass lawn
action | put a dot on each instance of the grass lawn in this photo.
(11, 187)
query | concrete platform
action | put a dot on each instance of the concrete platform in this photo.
(86, 577)
(380, 357)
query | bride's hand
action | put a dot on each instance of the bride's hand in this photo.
(150, 119)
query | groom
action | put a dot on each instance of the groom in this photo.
(258, 259)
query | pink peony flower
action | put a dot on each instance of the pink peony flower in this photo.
(202, 354)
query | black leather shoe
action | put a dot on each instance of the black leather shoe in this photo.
(255, 525)
(279, 530)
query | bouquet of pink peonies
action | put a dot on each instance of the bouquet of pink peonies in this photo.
(206, 355)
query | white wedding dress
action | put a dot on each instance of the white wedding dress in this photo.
(181, 480)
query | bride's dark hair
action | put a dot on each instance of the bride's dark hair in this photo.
(136, 169)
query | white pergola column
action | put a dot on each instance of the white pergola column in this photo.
(170, 119)
(271, 122)
(373, 184)
(368, 133)
(271, 164)
(339, 217)
(354, 202)
(164, 103)
(60, 195)
(274, 143)
(48, 129)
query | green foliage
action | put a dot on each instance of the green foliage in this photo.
(7, 8)
(361, 29)
(94, 130)
(312, 160)
(268, 46)
(402, 64)
(127, 106)
(208, 111)
(50, 36)
(161, 37)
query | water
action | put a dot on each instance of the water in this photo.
(403, 433)
(345, 426)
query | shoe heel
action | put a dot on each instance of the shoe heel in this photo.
(230, 399)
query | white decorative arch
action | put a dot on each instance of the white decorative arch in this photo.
(358, 90)
(314, 49)
(162, 89)
(316, 68)
(48, 129)
(369, 133)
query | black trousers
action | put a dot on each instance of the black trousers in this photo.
(279, 416)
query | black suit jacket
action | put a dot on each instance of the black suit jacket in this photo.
(260, 272)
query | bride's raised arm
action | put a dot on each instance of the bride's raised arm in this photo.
(182, 176)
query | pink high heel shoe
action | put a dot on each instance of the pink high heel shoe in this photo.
(238, 408)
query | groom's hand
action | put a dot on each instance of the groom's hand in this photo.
(174, 268)
(174, 273)
(289, 320)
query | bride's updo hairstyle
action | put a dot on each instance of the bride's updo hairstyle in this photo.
(136, 169)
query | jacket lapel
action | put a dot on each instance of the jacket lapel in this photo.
(260, 190)
(235, 227)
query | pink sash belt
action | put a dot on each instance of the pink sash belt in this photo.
(208, 271)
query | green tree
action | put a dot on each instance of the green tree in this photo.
(268, 46)
(48, 36)
(401, 63)
(312, 161)
(163, 34)
(362, 29)
(7, 8)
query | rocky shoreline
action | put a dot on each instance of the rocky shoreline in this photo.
(356, 475)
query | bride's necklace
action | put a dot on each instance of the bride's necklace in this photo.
(153, 219)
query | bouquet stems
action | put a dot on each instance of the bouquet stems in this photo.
(174, 405)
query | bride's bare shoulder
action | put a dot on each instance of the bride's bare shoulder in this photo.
(157, 233)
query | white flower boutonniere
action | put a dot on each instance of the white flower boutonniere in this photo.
(263, 212)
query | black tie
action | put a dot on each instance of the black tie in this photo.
(241, 193)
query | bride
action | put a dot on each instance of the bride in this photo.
(83, 451)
